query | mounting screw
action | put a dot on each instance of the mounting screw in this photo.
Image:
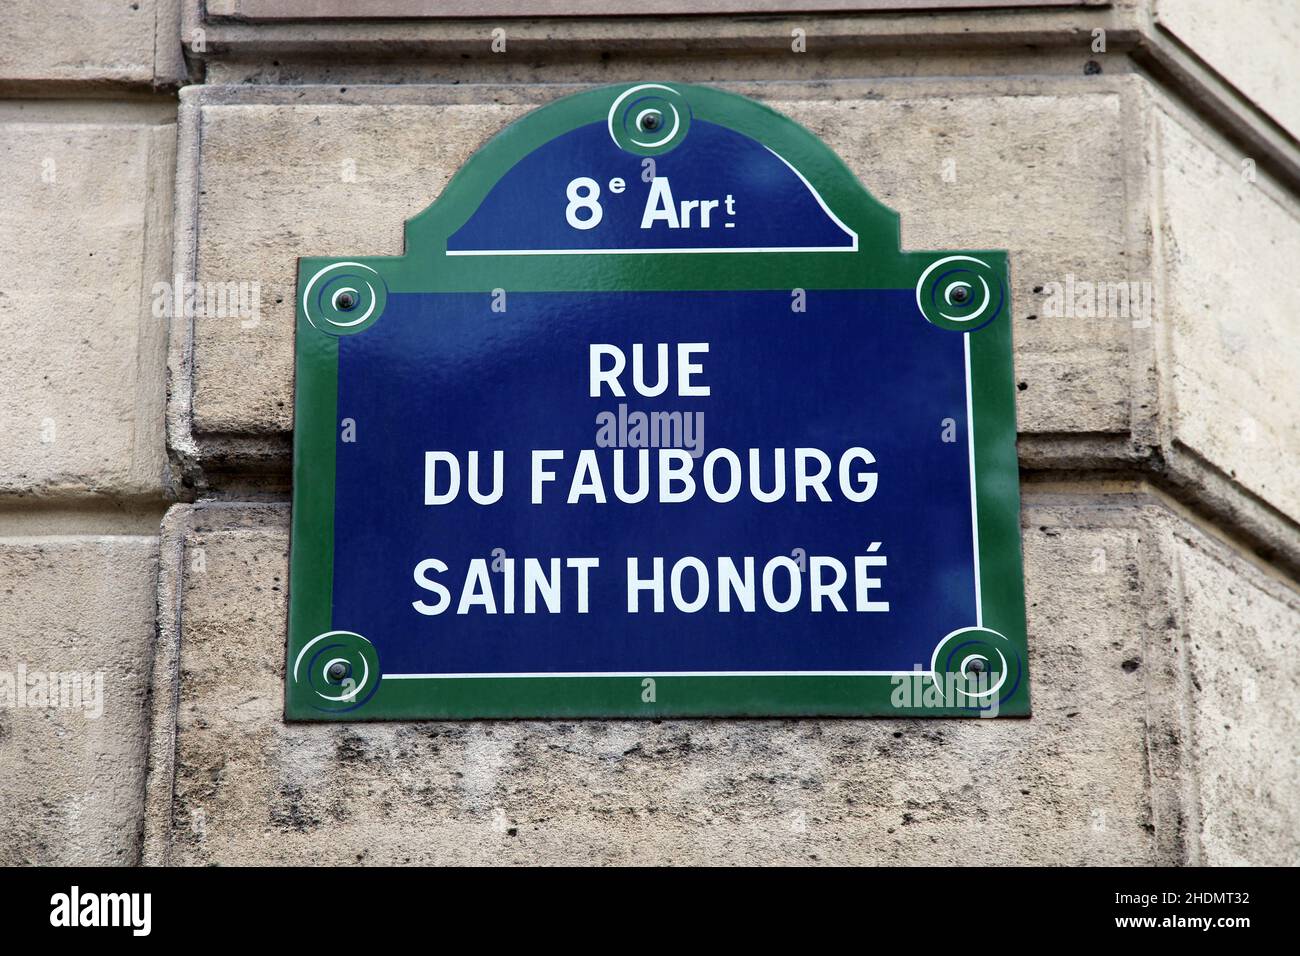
(346, 301)
(650, 122)
(338, 672)
(976, 666)
(960, 295)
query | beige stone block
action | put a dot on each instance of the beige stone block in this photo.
(351, 166)
(72, 775)
(1253, 45)
(1229, 248)
(1073, 784)
(91, 41)
(86, 200)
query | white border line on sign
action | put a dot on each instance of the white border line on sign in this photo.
(818, 196)
(979, 604)
(632, 252)
(974, 506)
(663, 674)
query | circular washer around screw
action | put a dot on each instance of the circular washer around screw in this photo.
(338, 671)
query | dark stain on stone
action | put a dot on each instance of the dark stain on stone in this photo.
(1132, 664)
(350, 749)
(290, 814)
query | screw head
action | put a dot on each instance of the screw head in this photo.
(960, 295)
(976, 666)
(338, 672)
(650, 122)
(346, 301)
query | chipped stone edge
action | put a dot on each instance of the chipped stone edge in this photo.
(1172, 788)
(1184, 771)
(168, 55)
(164, 684)
(181, 446)
(164, 690)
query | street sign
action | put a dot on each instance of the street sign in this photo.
(653, 417)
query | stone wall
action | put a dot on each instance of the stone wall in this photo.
(144, 457)
(87, 171)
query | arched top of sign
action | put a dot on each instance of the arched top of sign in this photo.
(773, 195)
(654, 186)
(788, 191)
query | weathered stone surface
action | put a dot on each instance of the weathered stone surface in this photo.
(91, 41)
(89, 204)
(1241, 628)
(1252, 44)
(926, 153)
(1229, 247)
(71, 782)
(1070, 784)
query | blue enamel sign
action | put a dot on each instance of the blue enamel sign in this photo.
(654, 418)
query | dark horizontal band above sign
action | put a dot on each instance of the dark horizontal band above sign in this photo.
(472, 9)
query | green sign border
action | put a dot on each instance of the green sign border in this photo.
(878, 263)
